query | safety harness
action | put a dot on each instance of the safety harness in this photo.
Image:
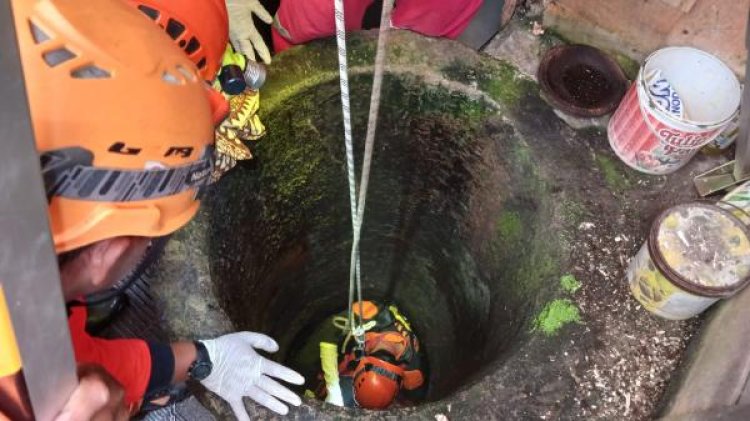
(389, 338)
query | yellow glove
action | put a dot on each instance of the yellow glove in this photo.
(243, 115)
(229, 150)
(242, 124)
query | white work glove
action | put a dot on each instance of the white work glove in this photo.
(239, 371)
(242, 32)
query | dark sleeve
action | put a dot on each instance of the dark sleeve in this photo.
(162, 367)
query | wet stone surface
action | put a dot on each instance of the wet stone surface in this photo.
(534, 201)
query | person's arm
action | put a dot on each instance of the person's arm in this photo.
(139, 366)
(235, 370)
(184, 356)
(97, 397)
(242, 31)
(14, 402)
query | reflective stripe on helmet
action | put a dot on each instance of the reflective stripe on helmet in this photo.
(383, 372)
(68, 173)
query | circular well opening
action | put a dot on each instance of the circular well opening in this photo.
(448, 231)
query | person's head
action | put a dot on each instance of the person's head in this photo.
(123, 127)
(98, 266)
(381, 374)
(200, 28)
(376, 383)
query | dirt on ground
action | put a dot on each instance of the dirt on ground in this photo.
(632, 355)
(624, 359)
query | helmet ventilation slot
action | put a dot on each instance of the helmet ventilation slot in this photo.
(58, 56)
(37, 33)
(148, 11)
(90, 72)
(174, 28)
(192, 46)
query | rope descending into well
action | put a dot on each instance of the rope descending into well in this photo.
(358, 206)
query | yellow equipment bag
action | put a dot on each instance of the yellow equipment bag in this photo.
(10, 358)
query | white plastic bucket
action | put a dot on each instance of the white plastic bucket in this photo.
(650, 139)
(696, 254)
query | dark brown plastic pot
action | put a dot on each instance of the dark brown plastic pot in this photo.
(581, 80)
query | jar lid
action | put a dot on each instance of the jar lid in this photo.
(702, 248)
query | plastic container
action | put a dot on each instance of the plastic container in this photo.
(649, 138)
(725, 139)
(738, 202)
(696, 254)
(255, 75)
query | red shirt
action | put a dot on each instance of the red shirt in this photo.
(127, 360)
(306, 20)
(435, 18)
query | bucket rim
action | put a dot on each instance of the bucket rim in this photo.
(660, 113)
(676, 278)
(641, 82)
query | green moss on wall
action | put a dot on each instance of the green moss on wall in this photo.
(551, 38)
(510, 226)
(629, 66)
(573, 212)
(555, 315)
(360, 52)
(616, 180)
(499, 79)
(570, 284)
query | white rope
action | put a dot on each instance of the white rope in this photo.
(358, 208)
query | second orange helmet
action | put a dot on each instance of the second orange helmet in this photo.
(199, 27)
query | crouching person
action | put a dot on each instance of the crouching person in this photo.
(385, 369)
(124, 130)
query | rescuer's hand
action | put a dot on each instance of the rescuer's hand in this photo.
(242, 32)
(98, 397)
(239, 371)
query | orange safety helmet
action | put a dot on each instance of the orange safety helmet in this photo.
(376, 383)
(199, 27)
(369, 309)
(121, 119)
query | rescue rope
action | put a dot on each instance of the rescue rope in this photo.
(358, 207)
(342, 323)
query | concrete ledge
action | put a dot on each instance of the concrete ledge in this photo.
(734, 413)
(718, 369)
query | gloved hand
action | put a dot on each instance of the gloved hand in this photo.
(242, 32)
(239, 371)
